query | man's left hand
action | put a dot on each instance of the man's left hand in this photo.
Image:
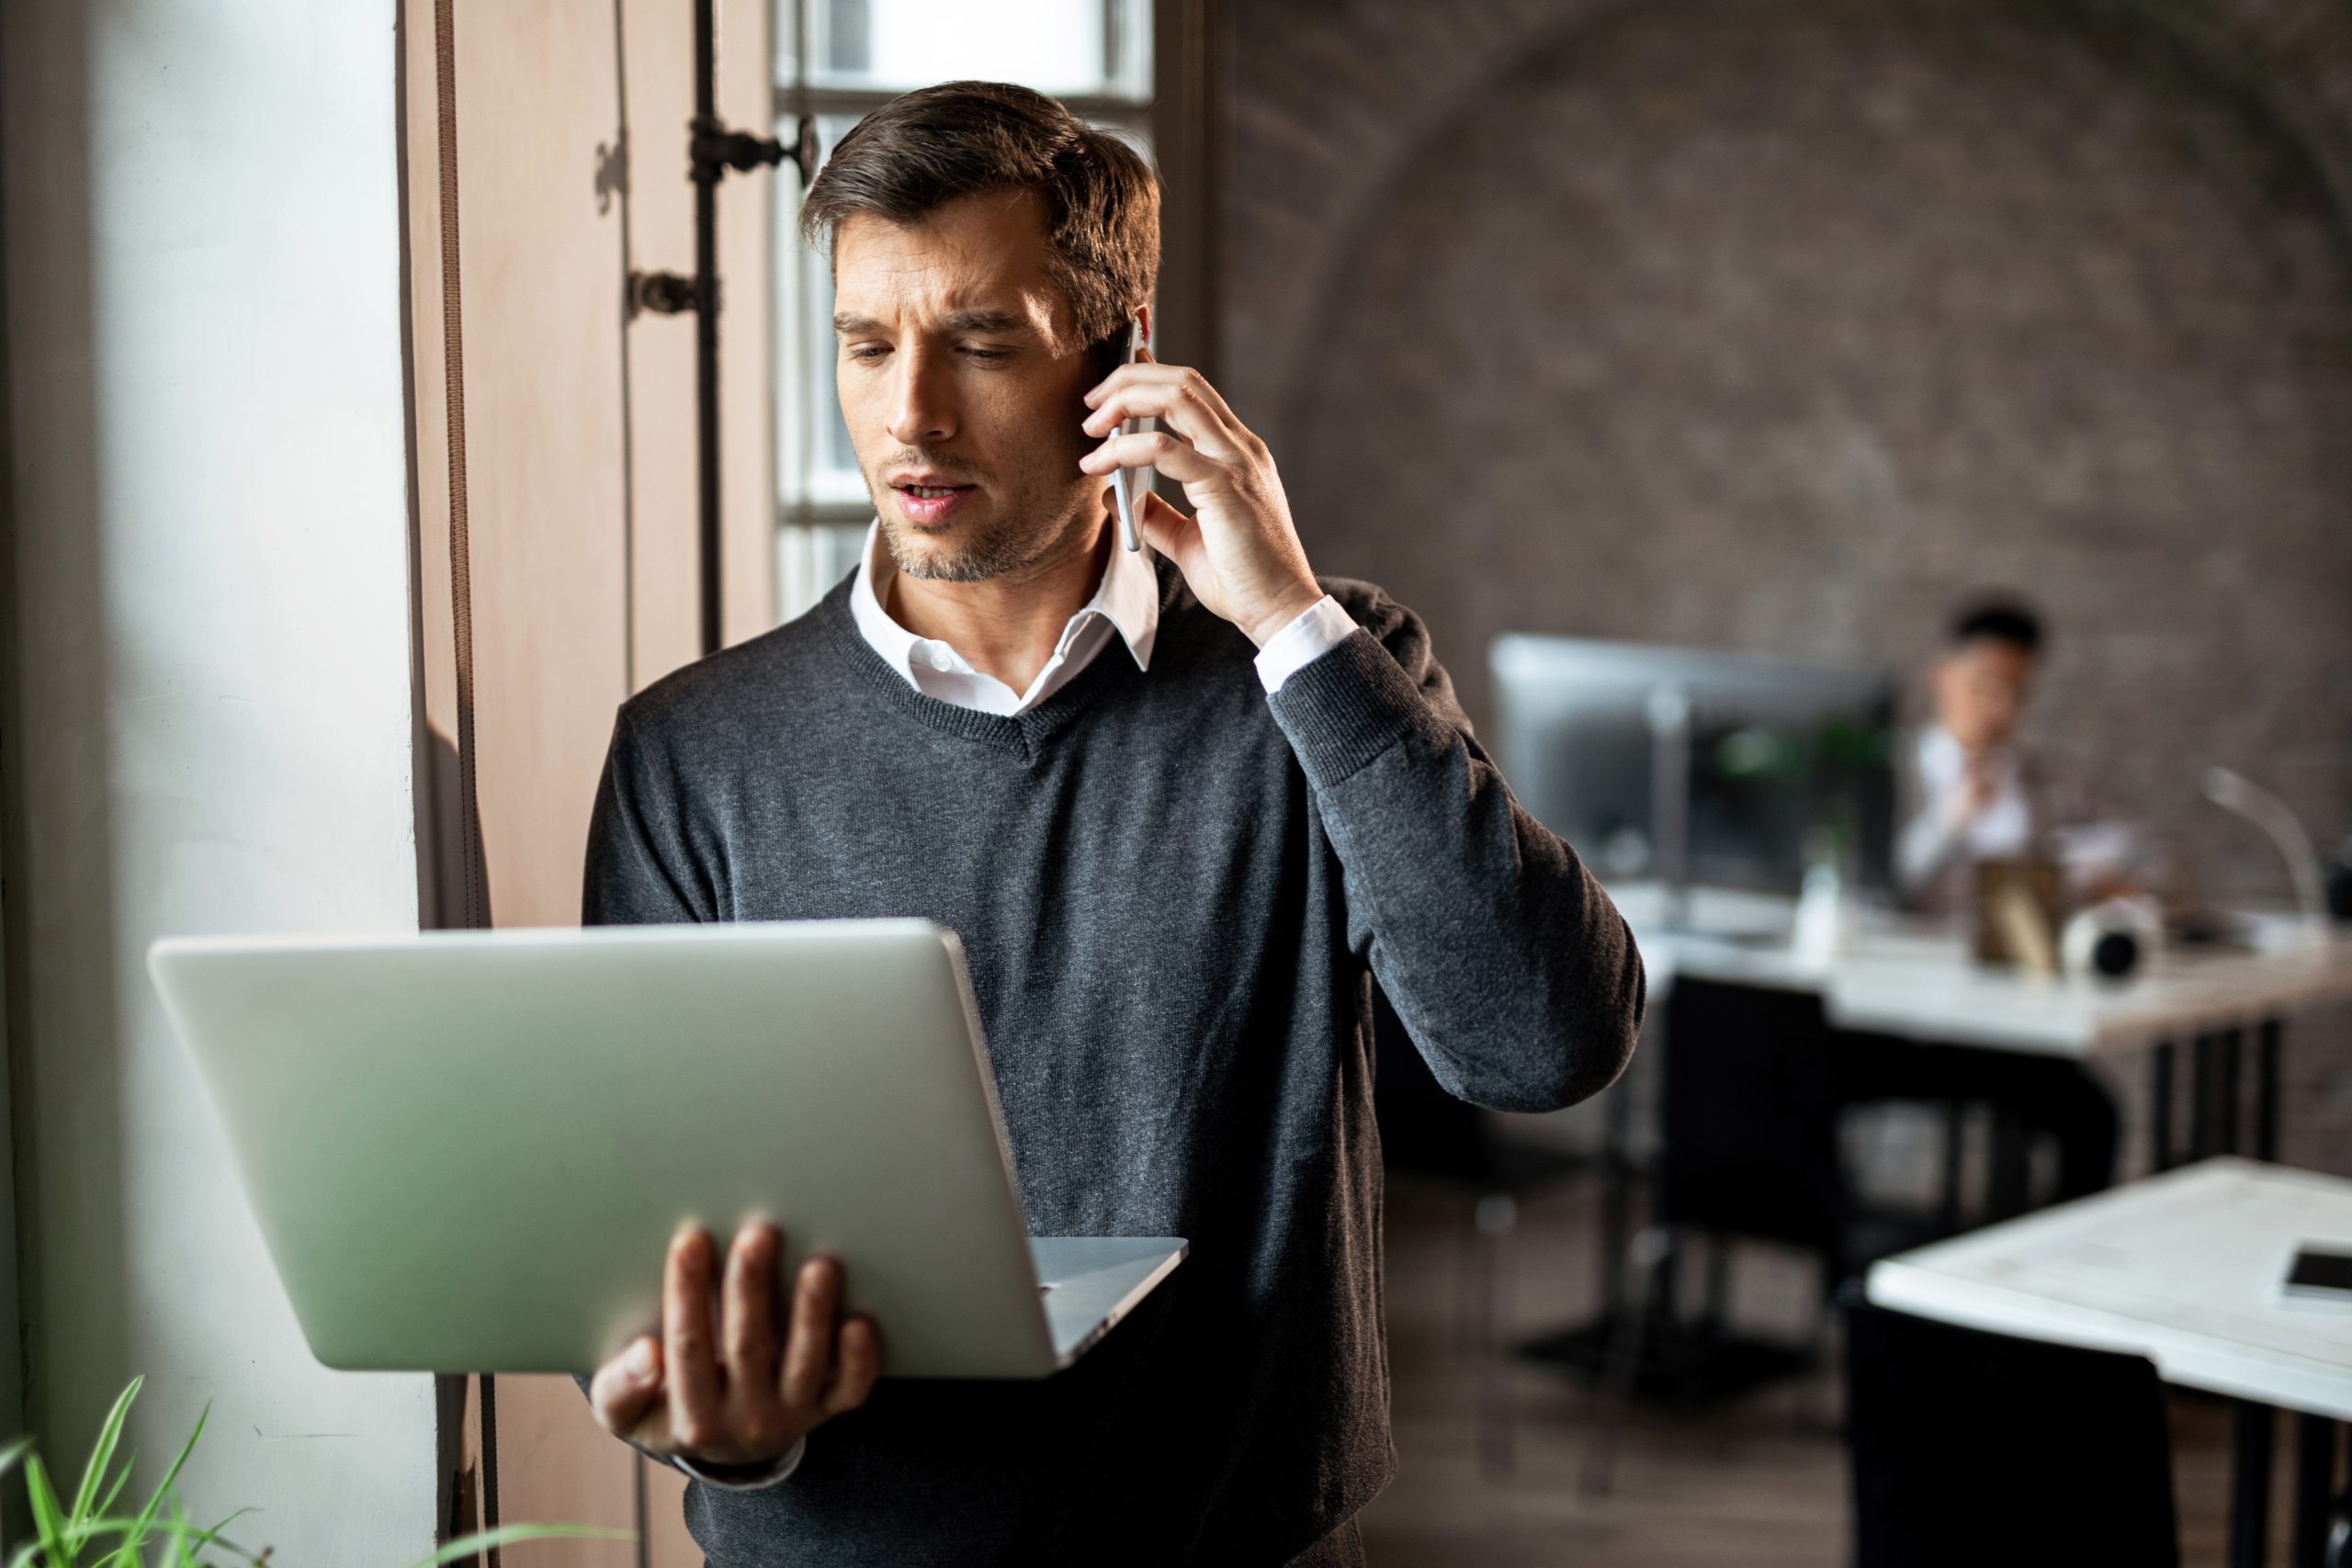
(1238, 550)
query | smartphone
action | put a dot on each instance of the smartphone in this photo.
(2319, 1272)
(1128, 483)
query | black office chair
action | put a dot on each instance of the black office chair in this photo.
(1971, 1449)
(1748, 1124)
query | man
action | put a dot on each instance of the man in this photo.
(1181, 807)
(1970, 794)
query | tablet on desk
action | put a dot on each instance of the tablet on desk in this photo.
(468, 1150)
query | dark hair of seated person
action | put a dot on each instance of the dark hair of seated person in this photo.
(1998, 620)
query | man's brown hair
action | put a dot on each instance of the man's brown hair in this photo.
(920, 151)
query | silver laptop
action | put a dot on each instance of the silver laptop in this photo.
(468, 1151)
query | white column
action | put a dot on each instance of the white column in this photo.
(207, 713)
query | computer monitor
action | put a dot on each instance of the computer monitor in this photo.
(1697, 766)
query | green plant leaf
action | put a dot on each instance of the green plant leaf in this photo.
(163, 1487)
(13, 1453)
(507, 1535)
(106, 1504)
(134, 1538)
(183, 1547)
(94, 1474)
(177, 1529)
(49, 1518)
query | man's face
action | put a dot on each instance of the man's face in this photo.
(1980, 688)
(961, 377)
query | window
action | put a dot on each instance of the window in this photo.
(836, 60)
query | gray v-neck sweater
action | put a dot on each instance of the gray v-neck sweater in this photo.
(1173, 891)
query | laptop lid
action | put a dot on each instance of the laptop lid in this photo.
(468, 1151)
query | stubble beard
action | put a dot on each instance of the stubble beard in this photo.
(1002, 547)
(1012, 541)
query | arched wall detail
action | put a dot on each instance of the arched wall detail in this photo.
(2187, 527)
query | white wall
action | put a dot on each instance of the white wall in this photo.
(206, 725)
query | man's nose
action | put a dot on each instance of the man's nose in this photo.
(923, 409)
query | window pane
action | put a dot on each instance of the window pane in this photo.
(1063, 47)
(1096, 48)
(816, 465)
(809, 560)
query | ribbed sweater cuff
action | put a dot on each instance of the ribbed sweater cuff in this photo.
(1346, 708)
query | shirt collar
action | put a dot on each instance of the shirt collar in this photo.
(1127, 596)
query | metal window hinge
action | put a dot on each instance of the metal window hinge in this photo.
(662, 293)
(711, 151)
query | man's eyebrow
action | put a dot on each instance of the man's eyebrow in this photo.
(984, 322)
(846, 325)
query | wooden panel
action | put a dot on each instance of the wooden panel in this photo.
(659, 42)
(746, 357)
(540, 307)
(544, 471)
(441, 845)
(658, 51)
(545, 462)
(579, 433)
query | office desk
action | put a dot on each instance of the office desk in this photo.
(1903, 978)
(2180, 1268)
(1918, 982)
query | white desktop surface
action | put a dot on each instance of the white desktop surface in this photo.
(2178, 995)
(1921, 981)
(2181, 1267)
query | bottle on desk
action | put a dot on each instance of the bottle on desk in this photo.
(1822, 918)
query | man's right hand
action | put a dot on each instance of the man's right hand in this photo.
(747, 1398)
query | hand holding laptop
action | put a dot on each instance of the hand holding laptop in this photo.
(745, 1399)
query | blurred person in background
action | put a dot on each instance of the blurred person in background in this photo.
(1970, 794)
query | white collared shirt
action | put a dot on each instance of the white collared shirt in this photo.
(1936, 850)
(1126, 604)
(2005, 825)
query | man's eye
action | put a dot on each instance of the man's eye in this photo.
(988, 355)
(867, 354)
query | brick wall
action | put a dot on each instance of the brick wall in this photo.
(1777, 324)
